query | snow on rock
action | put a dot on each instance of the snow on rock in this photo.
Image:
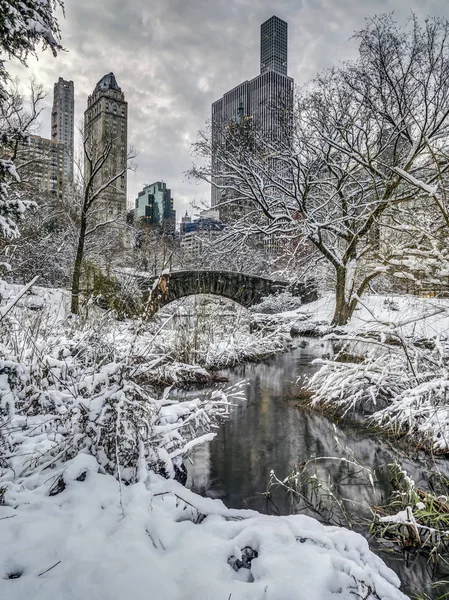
(98, 539)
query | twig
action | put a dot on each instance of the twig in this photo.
(49, 569)
(5, 310)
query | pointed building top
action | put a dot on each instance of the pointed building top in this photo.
(107, 82)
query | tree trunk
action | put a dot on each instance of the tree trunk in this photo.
(343, 309)
(76, 278)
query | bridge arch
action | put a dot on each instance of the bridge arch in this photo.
(242, 288)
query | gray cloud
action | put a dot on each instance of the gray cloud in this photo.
(173, 58)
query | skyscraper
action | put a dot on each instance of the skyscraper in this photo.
(273, 46)
(267, 99)
(41, 165)
(62, 121)
(154, 206)
(105, 131)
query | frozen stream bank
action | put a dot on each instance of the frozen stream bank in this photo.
(269, 431)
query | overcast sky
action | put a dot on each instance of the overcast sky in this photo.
(173, 58)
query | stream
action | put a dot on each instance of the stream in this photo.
(270, 431)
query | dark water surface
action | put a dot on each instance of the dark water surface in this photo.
(269, 431)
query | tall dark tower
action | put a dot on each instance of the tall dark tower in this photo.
(267, 99)
(62, 121)
(273, 46)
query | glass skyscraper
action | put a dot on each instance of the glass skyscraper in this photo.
(154, 206)
(267, 99)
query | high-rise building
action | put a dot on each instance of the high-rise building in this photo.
(62, 121)
(106, 132)
(202, 230)
(184, 221)
(40, 162)
(273, 46)
(267, 99)
(154, 206)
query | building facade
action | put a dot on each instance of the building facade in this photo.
(154, 206)
(40, 162)
(267, 99)
(62, 122)
(193, 234)
(106, 135)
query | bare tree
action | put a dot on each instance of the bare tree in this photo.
(95, 216)
(153, 248)
(47, 243)
(369, 143)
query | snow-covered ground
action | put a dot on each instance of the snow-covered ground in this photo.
(155, 539)
(409, 315)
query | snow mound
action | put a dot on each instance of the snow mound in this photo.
(155, 539)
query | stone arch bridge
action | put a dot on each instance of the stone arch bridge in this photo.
(246, 290)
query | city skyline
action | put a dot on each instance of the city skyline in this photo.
(171, 70)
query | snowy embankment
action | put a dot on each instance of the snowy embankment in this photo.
(155, 539)
(83, 513)
(391, 365)
(168, 351)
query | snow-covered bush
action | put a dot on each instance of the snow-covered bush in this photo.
(207, 333)
(403, 388)
(78, 392)
(277, 303)
(422, 411)
(360, 387)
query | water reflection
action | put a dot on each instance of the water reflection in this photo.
(269, 431)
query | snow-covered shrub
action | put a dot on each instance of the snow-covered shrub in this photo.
(402, 388)
(422, 411)
(78, 392)
(210, 335)
(391, 304)
(277, 303)
(360, 387)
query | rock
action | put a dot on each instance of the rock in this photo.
(245, 562)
